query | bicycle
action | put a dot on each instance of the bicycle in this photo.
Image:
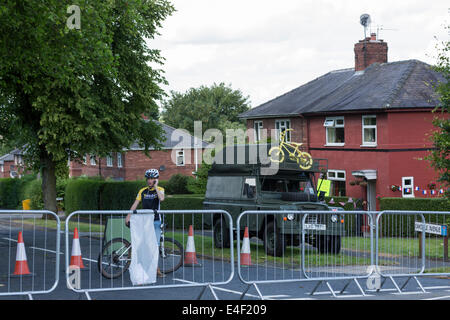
(115, 258)
(276, 154)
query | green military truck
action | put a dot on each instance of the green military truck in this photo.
(249, 185)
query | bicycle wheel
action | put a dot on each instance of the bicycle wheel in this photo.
(305, 161)
(171, 255)
(276, 154)
(115, 258)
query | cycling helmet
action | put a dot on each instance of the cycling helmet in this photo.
(152, 174)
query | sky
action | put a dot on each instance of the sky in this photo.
(267, 48)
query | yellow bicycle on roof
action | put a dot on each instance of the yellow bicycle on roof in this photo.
(276, 154)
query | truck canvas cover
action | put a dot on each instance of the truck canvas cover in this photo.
(251, 158)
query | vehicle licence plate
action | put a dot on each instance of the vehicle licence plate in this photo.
(315, 226)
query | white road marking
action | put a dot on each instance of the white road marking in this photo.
(47, 250)
(437, 298)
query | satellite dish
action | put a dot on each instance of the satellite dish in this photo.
(365, 20)
(13, 174)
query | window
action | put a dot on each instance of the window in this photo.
(109, 160)
(84, 159)
(2, 168)
(280, 126)
(224, 187)
(407, 187)
(92, 159)
(18, 160)
(257, 125)
(249, 190)
(334, 127)
(180, 158)
(337, 186)
(119, 160)
(369, 130)
(273, 185)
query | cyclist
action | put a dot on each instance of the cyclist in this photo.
(151, 197)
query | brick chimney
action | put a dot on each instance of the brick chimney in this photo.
(370, 50)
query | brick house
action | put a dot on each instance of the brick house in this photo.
(178, 155)
(11, 164)
(371, 122)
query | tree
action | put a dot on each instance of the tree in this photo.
(68, 92)
(214, 106)
(440, 156)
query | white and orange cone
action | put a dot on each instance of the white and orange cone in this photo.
(76, 259)
(190, 256)
(246, 259)
(21, 268)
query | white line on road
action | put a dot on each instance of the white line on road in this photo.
(47, 250)
(438, 298)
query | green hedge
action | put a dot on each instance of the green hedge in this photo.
(82, 194)
(33, 191)
(183, 202)
(85, 194)
(12, 191)
(415, 204)
(119, 195)
(91, 194)
(404, 224)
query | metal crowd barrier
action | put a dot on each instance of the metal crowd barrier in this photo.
(318, 246)
(30, 250)
(416, 244)
(192, 260)
(349, 246)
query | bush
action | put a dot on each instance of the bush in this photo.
(198, 185)
(415, 204)
(12, 191)
(33, 191)
(89, 194)
(177, 184)
(391, 224)
(119, 195)
(183, 202)
(82, 194)
(161, 183)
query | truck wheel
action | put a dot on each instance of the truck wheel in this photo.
(274, 242)
(329, 244)
(221, 234)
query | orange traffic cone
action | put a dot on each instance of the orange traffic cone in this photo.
(21, 258)
(190, 257)
(75, 259)
(246, 259)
